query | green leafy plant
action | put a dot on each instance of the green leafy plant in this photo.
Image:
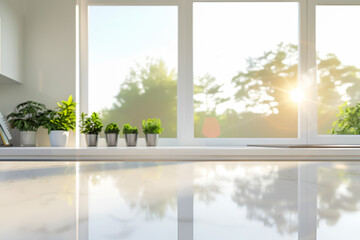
(63, 118)
(348, 122)
(26, 116)
(152, 126)
(128, 129)
(92, 124)
(112, 128)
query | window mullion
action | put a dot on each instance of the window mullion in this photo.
(303, 81)
(312, 90)
(83, 64)
(185, 117)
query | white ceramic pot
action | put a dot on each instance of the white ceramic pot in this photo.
(58, 138)
(28, 138)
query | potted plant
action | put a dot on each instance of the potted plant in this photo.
(26, 119)
(152, 129)
(59, 122)
(91, 127)
(111, 134)
(130, 135)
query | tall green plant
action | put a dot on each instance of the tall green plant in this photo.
(92, 124)
(348, 122)
(63, 118)
(26, 116)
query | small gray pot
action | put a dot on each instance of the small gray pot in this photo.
(92, 140)
(131, 139)
(111, 139)
(151, 139)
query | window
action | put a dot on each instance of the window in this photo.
(133, 64)
(338, 65)
(222, 73)
(245, 69)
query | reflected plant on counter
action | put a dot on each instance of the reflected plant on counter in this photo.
(26, 119)
(111, 134)
(130, 135)
(91, 127)
(59, 122)
(152, 128)
(348, 122)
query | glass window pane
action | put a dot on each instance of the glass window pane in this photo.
(245, 70)
(245, 201)
(338, 61)
(133, 64)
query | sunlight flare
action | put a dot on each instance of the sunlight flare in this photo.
(297, 95)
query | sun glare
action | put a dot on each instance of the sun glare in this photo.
(297, 95)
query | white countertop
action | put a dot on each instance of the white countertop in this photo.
(180, 153)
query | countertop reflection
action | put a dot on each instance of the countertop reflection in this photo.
(135, 200)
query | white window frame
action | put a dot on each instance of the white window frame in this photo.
(307, 126)
(314, 137)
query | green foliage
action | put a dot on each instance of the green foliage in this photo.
(63, 118)
(267, 80)
(26, 116)
(152, 126)
(333, 74)
(112, 128)
(148, 90)
(348, 122)
(209, 92)
(128, 129)
(260, 106)
(92, 124)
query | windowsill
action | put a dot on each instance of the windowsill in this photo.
(241, 153)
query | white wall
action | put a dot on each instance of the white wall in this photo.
(49, 58)
(11, 41)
